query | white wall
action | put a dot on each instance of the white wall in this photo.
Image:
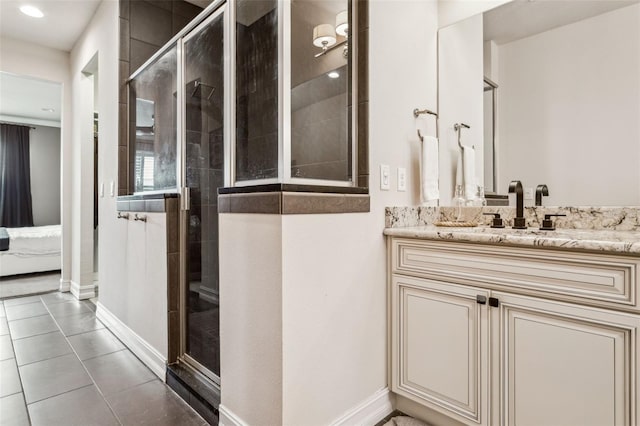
(44, 152)
(28, 59)
(452, 11)
(551, 129)
(460, 70)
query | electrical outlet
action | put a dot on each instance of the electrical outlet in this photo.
(528, 193)
(385, 178)
(402, 179)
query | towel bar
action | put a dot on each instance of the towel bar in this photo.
(418, 112)
(458, 128)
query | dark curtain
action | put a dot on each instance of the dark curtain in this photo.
(15, 178)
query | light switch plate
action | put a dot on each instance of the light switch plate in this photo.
(402, 179)
(101, 189)
(385, 178)
(112, 188)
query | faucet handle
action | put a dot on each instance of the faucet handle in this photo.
(547, 222)
(497, 220)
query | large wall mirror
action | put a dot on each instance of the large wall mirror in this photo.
(552, 92)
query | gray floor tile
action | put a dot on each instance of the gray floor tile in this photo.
(9, 378)
(21, 301)
(25, 311)
(4, 327)
(79, 323)
(52, 377)
(57, 297)
(6, 348)
(40, 347)
(152, 403)
(118, 371)
(60, 310)
(95, 343)
(32, 326)
(13, 411)
(81, 407)
(2, 312)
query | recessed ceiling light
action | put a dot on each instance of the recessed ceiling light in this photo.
(333, 74)
(32, 11)
(48, 109)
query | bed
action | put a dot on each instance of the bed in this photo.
(32, 249)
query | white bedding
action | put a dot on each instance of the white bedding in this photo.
(33, 249)
(35, 240)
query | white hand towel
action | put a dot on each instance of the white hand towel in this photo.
(466, 172)
(429, 172)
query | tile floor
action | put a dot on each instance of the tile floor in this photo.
(59, 366)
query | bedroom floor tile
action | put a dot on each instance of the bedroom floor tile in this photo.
(56, 297)
(53, 377)
(95, 343)
(4, 327)
(84, 406)
(9, 378)
(26, 311)
(79, 323)
(32, 326)
(13, 410)
(41, 347)
(2, 311)
(60, 310)
(21, 301)
(6, 348)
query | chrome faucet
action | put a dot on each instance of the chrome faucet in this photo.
(540, 191)
(519, 221)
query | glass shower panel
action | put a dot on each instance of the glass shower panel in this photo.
(320, 90)
(256, 89)
(152, 125)
(204, 117)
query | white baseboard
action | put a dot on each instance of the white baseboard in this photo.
(136, 344)
(65, 285)
(369, 412)
(228, 418)
(82, 292)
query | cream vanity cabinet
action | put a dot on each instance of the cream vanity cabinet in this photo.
(496, 335)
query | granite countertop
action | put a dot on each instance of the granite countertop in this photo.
(606, 240)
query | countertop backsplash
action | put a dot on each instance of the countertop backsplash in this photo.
(604, 218)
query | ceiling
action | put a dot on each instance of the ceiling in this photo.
(61, 26)
(523, 18)
(23, 98)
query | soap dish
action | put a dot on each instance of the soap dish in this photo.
(456, 224)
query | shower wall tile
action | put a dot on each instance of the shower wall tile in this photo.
(151, 22)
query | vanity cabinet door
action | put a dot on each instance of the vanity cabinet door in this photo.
(561, 364)
(440, 346)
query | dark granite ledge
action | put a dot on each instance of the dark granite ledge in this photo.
(285, 203)
(287, 187)
(147, 203)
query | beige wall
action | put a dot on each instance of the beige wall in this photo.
(541, 134)
(44, 152)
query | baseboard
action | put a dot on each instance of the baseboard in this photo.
(209, 295)
(82, 292)
(143, 350)
(228, 418)
(369, 412)
(65, 285)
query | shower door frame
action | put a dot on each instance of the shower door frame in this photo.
(217, 8)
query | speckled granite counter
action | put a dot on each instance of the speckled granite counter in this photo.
(612, 230)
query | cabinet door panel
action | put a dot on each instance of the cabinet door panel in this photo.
(563, 364)
(441, 350)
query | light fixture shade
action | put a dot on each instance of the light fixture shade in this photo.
(324, 35)
(342, 23)
(32, 11)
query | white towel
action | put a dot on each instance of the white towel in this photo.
(466, 172)
(429, 173)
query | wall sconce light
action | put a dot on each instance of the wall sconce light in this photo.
(324, 35)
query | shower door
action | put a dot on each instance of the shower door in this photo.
(203, 100)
